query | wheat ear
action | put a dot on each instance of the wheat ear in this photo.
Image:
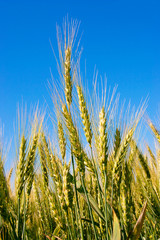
(67, 77)
(74, 140)
(21, 167)
(67, 186)
(4, 194)
(103, 148)
(29, 170)
(84, 115)
(62, 140)
(43, 164)
(155, 131)
(118, 162)
(31, 157)
(48, 154)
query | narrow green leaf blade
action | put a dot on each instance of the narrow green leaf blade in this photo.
(116, 228)
(138, 227)
(88, 220)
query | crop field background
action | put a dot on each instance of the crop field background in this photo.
(82, 163)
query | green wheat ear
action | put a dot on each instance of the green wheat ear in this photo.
(67, 186)
(118, 162)
(103, 145)
(29, 169)
(126, 199)
(153, 161)
(48, 154)
(117, 141)
(43, 164)
(67, 76)
(155, 131)
(84, 115)
(31, 157)
(62, 140)
(74, 140)
(4, 194)
(20, 167)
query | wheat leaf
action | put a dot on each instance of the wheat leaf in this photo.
(138, 227)
(116, 228)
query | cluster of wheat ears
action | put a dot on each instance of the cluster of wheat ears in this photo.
(95, 182)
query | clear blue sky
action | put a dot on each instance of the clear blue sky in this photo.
(121, 37)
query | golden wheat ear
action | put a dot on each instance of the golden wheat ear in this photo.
(4, 194)
(155, 131)
(67, 77)
(103, 142)
(74, 140)
(43, 165)
(67, 186)
(84, 115)
(21, 166)
(62, 140)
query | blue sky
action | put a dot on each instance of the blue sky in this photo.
(122, 38)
